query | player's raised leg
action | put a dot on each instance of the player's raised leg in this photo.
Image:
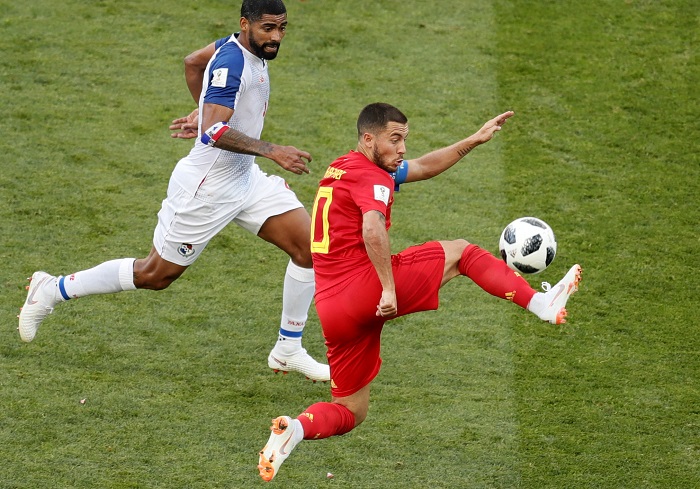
(496, 278)
(290, 232)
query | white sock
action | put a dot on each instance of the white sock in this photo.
(296, 299)
(106, 278)
(298, 432)
(537, 304)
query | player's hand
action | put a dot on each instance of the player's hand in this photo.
(186, 127)
(387, 304)
(292, 159)
(489, 129)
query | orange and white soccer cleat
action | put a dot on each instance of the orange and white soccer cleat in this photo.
(280, 444)
(555, 297)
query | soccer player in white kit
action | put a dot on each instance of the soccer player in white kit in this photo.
(216, 183)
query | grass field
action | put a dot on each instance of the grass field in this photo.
(177, 394)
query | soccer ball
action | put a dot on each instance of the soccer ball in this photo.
(528, 245)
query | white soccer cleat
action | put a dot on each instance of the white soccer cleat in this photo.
(556, 297)
(278, 447)
(41, 299)
(301, 362)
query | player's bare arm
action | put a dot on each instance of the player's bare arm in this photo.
(436, 162)
(288, 157)
(195, 65)
(376, 240)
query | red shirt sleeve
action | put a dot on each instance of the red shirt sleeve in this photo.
(373, 192)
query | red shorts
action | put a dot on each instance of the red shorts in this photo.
(350, 324)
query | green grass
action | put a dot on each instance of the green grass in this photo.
(609, 88)
(478, 394)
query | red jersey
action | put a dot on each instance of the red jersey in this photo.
(351, 186)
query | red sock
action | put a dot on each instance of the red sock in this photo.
(494, 276)
(325, 419)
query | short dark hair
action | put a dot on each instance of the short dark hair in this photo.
(375, 117)
(253, 10)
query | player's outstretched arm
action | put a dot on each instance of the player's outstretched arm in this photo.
(436, 162)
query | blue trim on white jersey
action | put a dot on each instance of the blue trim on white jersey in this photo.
(220, 42)
(229, 57)
(400, 175)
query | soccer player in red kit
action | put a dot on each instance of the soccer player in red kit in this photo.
(360, 285)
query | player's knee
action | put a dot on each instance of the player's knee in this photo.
(302, 257)
(453, 254)
(454, 249)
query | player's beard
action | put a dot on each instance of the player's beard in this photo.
(259, 49)
(383, 162)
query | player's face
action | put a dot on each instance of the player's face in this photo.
(263, 38)
(390, 146)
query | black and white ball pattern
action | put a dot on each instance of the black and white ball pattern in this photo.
(528, 245)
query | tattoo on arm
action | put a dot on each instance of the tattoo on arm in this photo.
(238, 142)
(381, 217)
(462, 152)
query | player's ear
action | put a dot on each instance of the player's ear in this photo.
(367, 139)
(244, 24)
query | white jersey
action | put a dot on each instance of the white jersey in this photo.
(237, 79)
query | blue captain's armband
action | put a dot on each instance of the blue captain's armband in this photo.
(400, 174)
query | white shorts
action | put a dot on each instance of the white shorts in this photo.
(186, 224)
